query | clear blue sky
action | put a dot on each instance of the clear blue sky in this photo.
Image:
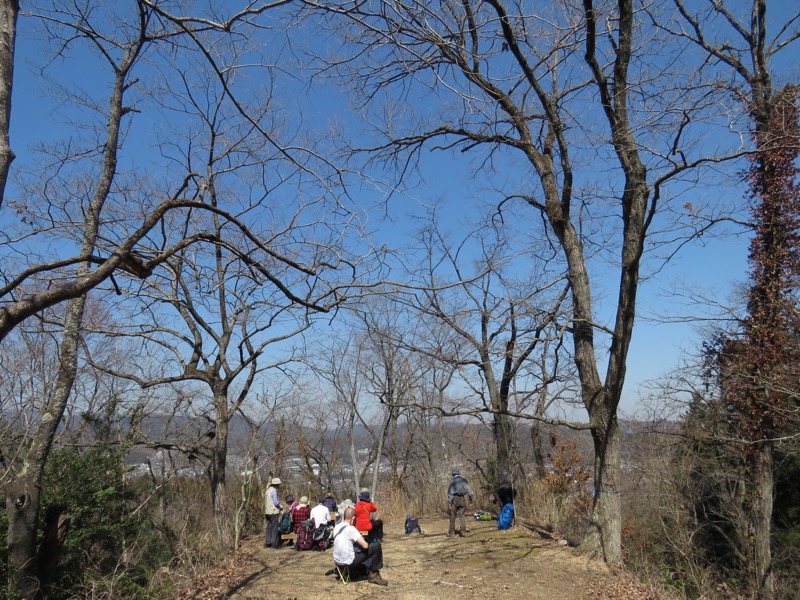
(711, 268)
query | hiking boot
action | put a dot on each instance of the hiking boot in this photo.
(450, 534)
(460, 534)
(376, 578)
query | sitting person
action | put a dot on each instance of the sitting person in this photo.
(346, 539)
(341, 508)
(320, 514)
(365, 520)
(330, 502)
(301, 512)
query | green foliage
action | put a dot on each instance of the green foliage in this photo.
(787, 494)
(89, 487)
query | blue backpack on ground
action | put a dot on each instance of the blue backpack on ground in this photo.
(506, 517)
(412, 525)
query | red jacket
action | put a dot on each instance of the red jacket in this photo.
(363, 509)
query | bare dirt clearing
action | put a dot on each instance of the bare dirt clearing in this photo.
(487, 563)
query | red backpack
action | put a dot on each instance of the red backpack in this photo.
(305, 535)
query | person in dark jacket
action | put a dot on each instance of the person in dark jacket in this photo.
(457, 494)
(330, 502)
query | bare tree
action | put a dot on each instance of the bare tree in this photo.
(390, 373)
(498, 324)
(500, 81)
(756, 367)
(85, 199)
(341, 365)
(216, 312)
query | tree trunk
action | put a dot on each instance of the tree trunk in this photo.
(505, 446)
(23, 492)
(9, 9)
(603, 539)
(760, 499)
(56, 527)
(22, 508)
(538, 449)
(219, 459)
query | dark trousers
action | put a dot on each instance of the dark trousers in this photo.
(273, 538)
(458, 508)
(371, 559)
(376, 533)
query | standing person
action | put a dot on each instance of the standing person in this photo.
(365, 517)
(345, 539)
(320, 514)
(457, 493)
(272, 513)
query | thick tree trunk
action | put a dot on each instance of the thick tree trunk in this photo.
(505, 446)
(23, 492)
(603, 539)
(22, 508)
(219, 459)
(760, 499)
(538, 449)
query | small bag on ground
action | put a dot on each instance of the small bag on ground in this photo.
(412, 525)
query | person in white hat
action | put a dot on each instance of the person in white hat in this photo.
(272, 513)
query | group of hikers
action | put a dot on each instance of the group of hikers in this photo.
(352, 529)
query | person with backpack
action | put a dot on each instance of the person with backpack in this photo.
(351, 551)
(457, 493)
(504, 496)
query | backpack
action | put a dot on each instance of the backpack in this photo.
(285, 524)
(322, 536)
(412, 525)
(506, 517)
(305, 535)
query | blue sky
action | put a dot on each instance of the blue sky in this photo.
(710, 268)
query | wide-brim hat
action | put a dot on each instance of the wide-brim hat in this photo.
(364, 496)
(303, 500)
(275, 481)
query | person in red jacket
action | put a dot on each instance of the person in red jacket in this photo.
(365, 521)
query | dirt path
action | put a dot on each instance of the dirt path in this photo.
(487, 563)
